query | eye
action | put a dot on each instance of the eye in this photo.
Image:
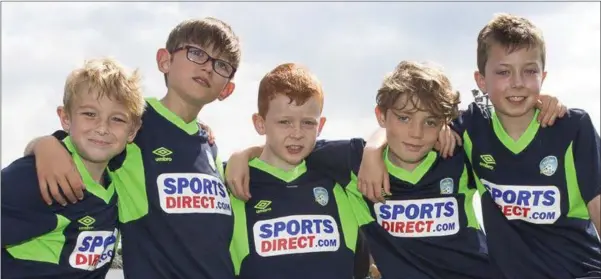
(432, 123)
(503, 72)
(284, 122)
(119, 119)
(532, 72)
(403, 118)
(309, 123)
(88, 114)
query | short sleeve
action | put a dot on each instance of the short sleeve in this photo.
(587, 156)
(24, 214)
(337, 159)
(465, 119)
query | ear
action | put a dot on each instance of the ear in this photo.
(322, 121)
(134, 131)
(163, 60)
(259, 123)
(380, 116)
(227, 91)
(479, 78)
(63, 115)
(544, 77)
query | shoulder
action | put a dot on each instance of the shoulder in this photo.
(573, 122)
(20, 182)
(22, 169)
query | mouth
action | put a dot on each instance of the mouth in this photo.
(202, 81)
(516, 99)
(413, 147)
(294, 149)
(99, 142)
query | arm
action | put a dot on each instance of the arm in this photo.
(550, 109)
(55, 168)
(237, 171)
(587, 161)
(373, 175)
(24, 214)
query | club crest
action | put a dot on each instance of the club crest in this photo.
(321, 195)
(548, 165)
(446, 186)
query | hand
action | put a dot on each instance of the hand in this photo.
(206, 127)
(372, 180)
(237, 175)
(374, 273)
(447, 141)
(55, 168)
(550, 109)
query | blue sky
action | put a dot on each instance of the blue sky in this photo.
(350, 46)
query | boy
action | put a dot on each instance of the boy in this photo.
(102, 107)
(427, 228)
(299, 223)
(540, 187)
(175, 212)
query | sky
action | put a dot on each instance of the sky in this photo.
(349, 46)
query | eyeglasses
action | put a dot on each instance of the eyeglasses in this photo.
(200, 57)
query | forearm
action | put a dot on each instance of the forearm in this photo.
(33, 144)
(377, 140)
(253, 152)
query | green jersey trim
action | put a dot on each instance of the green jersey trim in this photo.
(130, 184)
(239, 244)
(190, 128)
(468, 203)
(286, 176)
(467, 147)
(92, 186)
(410, 176)
(358, 204)
(44, 248)
(524, 140)
(348, 221)
(578, 208)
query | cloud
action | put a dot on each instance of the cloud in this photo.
(350, 46)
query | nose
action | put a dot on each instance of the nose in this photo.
(296, 132)
(102, 128)
(416, 130)
(517, 80)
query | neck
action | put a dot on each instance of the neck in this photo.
(186, 110)
(96, 170)
(408, 166)
(268, 157)
(515, 126)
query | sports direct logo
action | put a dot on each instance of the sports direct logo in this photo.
(534, 204)
(419, 218)
(296, 234)
(93, 249)
(193, 193)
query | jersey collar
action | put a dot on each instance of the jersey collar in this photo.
(190, 128)
(410, 176)
(524, 140)
(287, 176)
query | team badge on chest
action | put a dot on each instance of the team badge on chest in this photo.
(548, 165)
(321, 195)
(446, 186)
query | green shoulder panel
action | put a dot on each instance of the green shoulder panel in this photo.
(239, 245)
(44, 248)
(130, 184)
(350, 228)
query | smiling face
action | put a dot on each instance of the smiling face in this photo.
(290, 130)
(99, 127)
(411, 132)
(513, 80)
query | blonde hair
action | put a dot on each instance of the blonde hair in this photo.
(511, 32)
(426, 87)
(110, 79)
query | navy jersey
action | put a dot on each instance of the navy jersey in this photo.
(427, 228)
(174, 208)
(42, 241)
(298, 224)
(535, 193)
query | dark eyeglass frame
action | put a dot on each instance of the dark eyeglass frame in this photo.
(209, 58)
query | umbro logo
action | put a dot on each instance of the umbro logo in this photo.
(163, 154)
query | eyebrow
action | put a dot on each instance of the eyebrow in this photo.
(527, 64)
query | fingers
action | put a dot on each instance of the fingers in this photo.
(548, 111)
(66, 189)
(74, 179)
(563, 111)
(458, 138)
(246, 186)
(387, 184)
(54, 191)
(44, 190)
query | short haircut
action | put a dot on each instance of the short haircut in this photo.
(207, 32)
(292, 80)
(108, 78)
(511, 32)
(425, 86)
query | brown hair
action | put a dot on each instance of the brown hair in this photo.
(513, 33)
(425, 86)
(110, 79)
(292, 80)
(207, 32)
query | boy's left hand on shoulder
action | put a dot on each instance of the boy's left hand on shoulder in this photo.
(550, 110)
(206, 127)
